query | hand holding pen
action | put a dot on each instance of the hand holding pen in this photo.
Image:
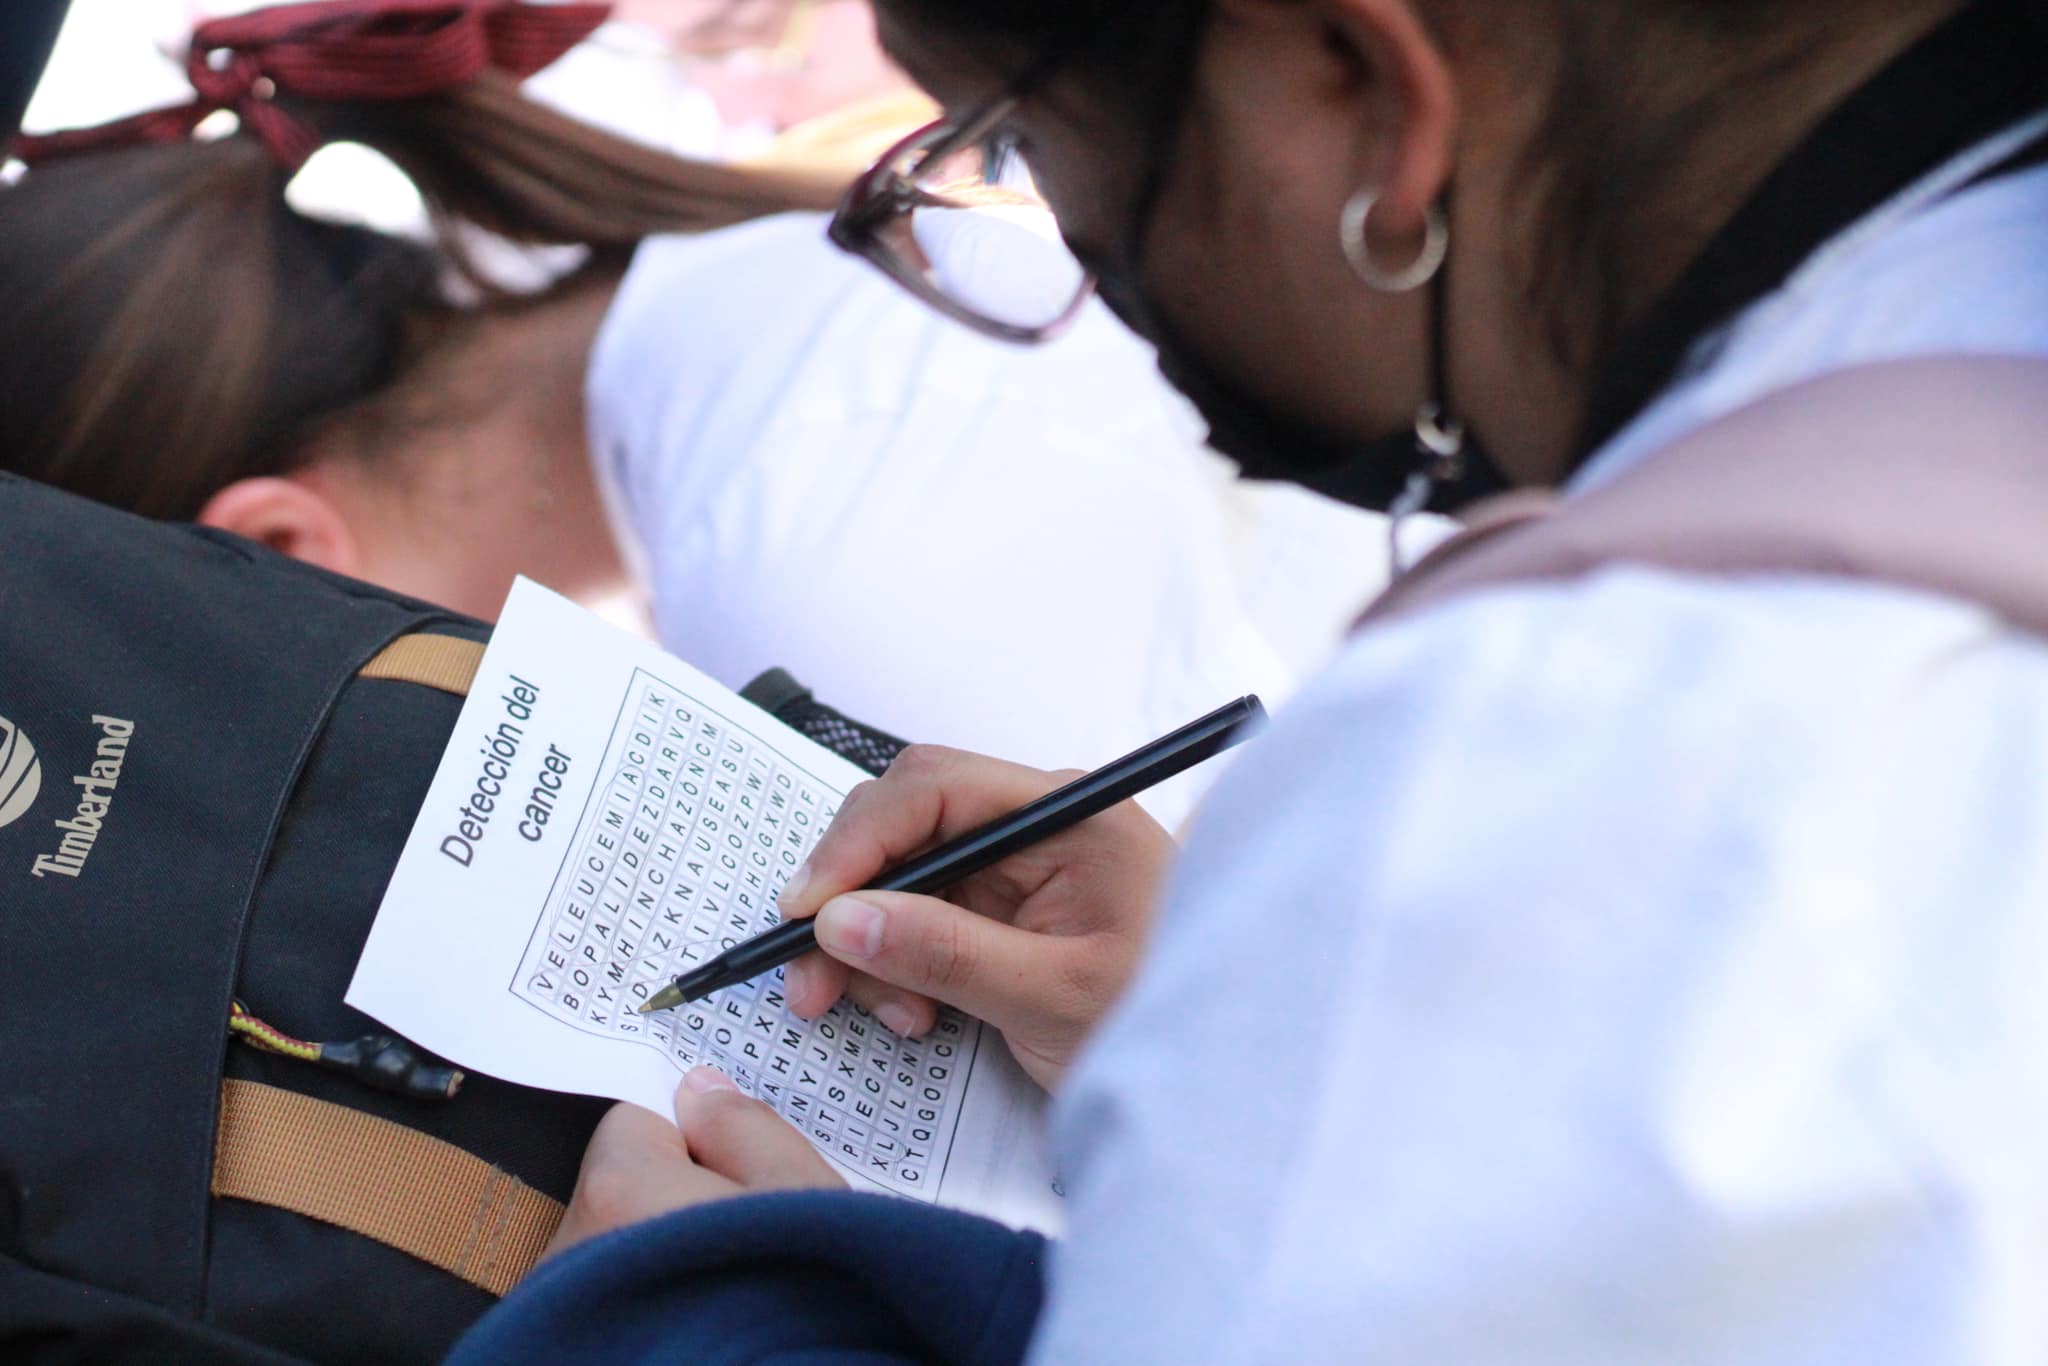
(1039, 944)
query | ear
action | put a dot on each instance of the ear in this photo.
(1394, 70)
(290, 517)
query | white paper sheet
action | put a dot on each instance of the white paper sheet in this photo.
(603, 818)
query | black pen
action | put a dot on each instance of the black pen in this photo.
(970, 853)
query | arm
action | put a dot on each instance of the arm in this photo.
(808, 1276)
(725, 1237)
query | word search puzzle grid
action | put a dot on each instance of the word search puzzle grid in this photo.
(690, 831)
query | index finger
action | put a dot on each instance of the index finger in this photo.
(930, 794)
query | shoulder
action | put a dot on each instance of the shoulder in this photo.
(1959, 275)
(695, 314)
(1602, 684)
(762, 353)
(1611, 741)
(729, 363)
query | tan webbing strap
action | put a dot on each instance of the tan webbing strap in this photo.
(445, 662)
(382, 1180)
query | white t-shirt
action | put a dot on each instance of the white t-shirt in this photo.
(1018, 551)
(1645, 968)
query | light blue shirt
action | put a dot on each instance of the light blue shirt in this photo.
(1644, 968)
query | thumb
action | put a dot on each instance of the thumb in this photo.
(989, 969)
(741, 1139)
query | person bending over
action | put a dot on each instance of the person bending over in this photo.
(775, 440)
(1631, 964)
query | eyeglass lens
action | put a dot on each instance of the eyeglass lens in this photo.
(987, 244)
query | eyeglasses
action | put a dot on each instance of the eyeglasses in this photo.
(947, 214)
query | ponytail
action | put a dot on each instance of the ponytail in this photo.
(488, 155)
(173, 325)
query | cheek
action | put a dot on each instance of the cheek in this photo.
(1085, 201)
(1242, 261)
(1084, 166)
(1227, 272)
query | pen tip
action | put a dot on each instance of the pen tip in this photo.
(662, 1000)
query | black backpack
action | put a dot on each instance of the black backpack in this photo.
(203, 791)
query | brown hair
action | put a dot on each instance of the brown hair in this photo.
(172, 325)
(1632, 90)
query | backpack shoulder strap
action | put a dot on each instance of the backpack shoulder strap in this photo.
(381, 1180)
(448, 663)
(1927, 474)
(403, 1188)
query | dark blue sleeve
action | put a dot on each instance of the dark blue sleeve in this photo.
(789, 1278)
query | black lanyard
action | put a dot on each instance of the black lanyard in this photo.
(1979, 73)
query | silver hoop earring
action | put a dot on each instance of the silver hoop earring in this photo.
(1436, 243)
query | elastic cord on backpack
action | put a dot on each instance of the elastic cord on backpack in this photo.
(384, 1061)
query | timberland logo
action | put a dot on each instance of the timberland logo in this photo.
(21, 773)
(96, 796)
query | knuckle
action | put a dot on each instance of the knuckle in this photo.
(949, 956)
(852, 811)
(865, 991)
(921, 763)
(860, 794)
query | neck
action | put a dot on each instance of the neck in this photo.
(486, 472)
(1703, 126)
(546, 344)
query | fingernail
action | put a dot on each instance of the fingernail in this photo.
(704, 1080)
(896, 1017)
(793, 888)
(850, 928)
(796, 979)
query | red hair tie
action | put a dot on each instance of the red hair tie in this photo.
(344, 51)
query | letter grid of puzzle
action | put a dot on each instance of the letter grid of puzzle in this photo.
(691, 829)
